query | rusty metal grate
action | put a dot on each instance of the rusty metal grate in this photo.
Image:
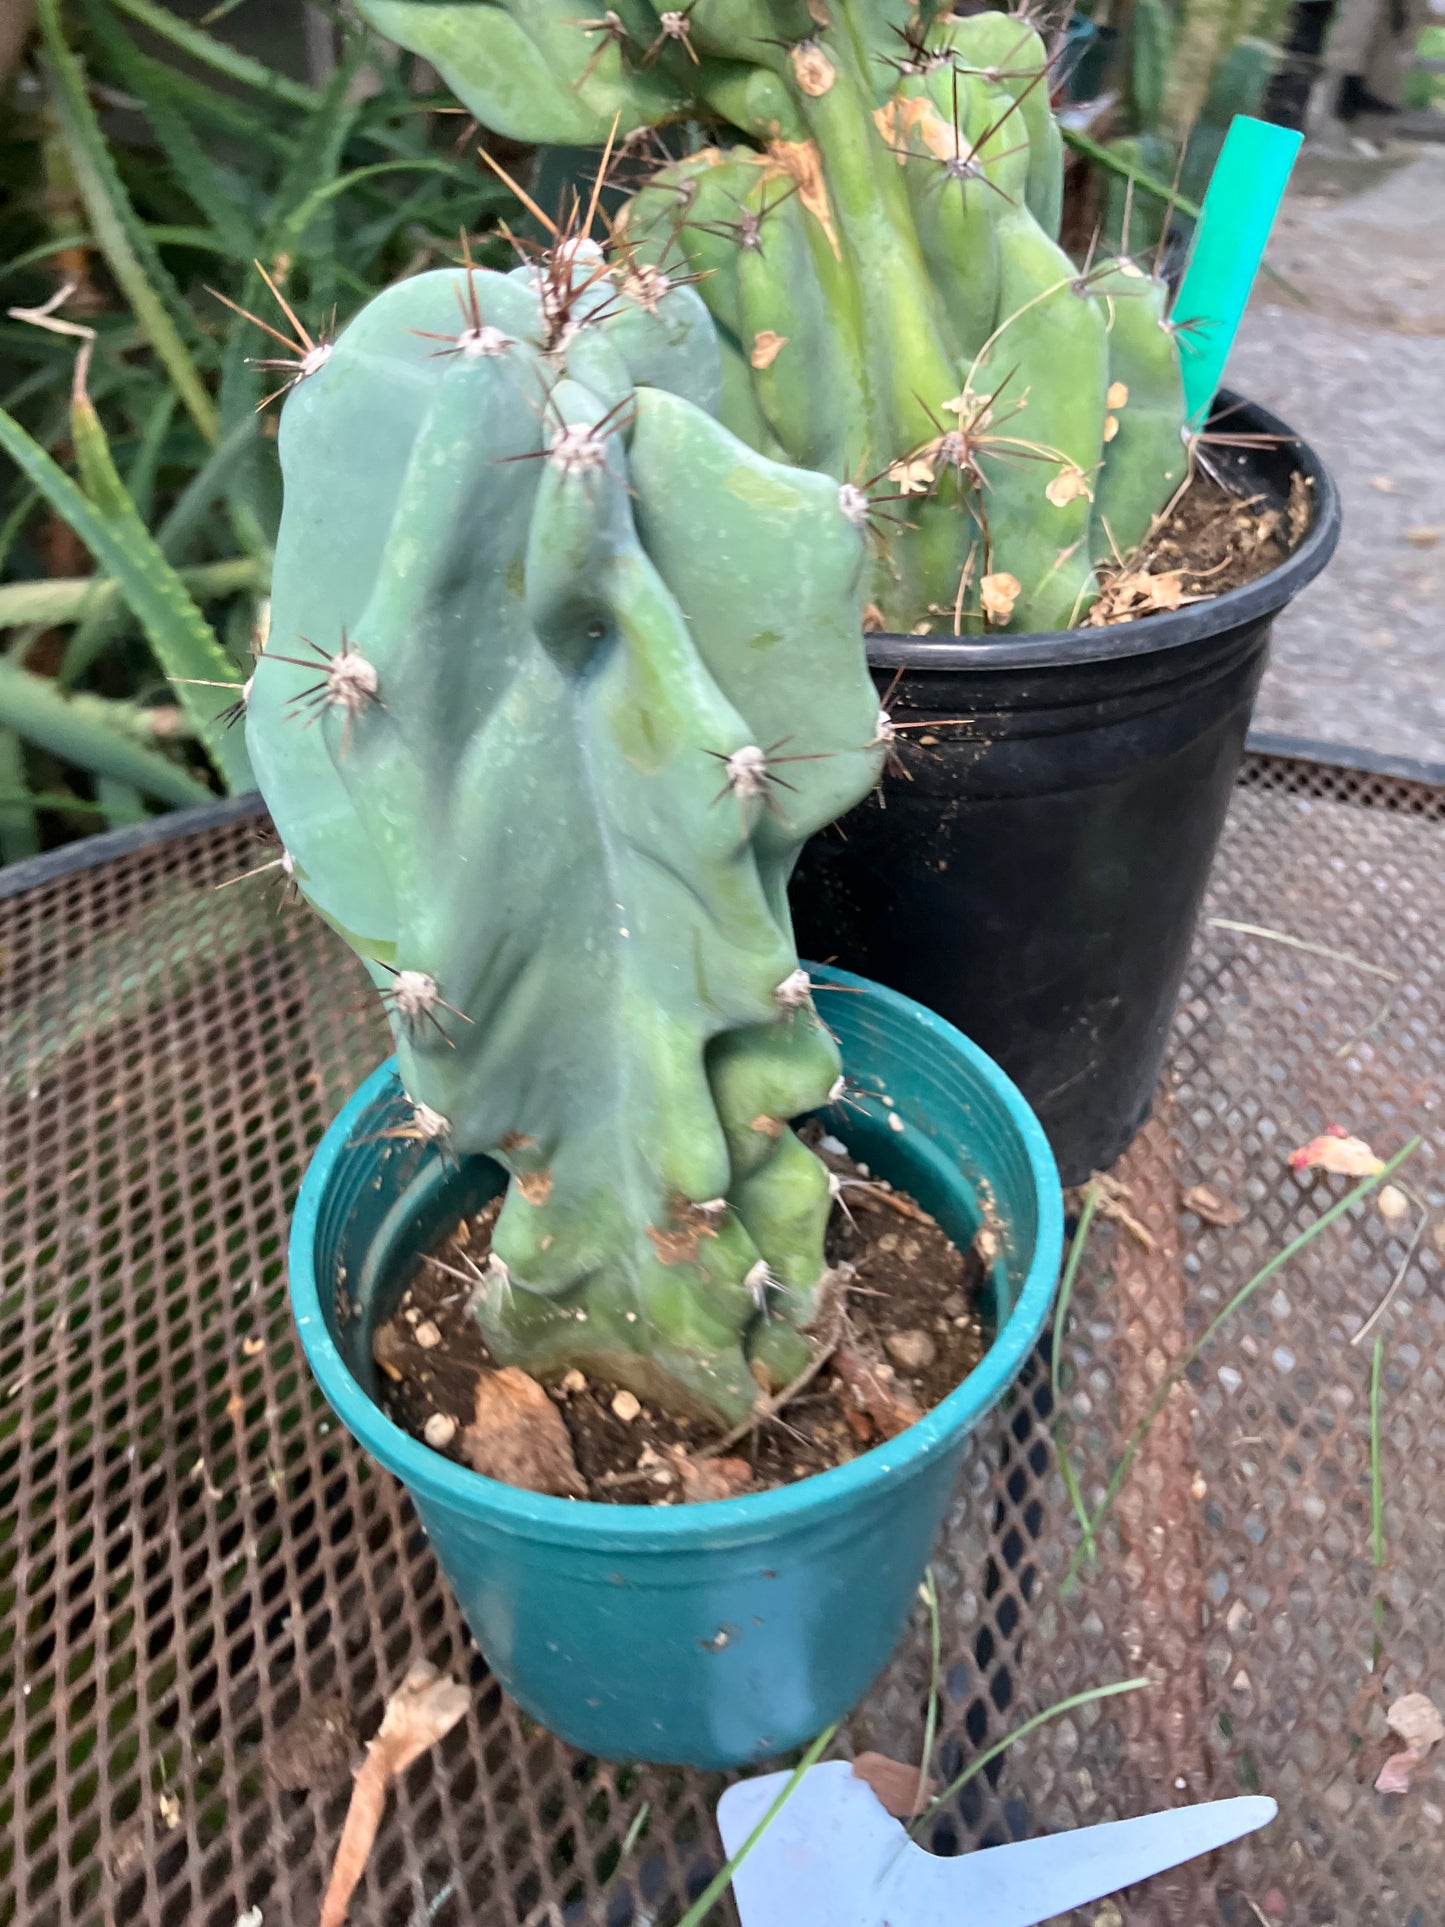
(204, 1591)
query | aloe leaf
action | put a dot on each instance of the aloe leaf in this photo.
(128, 251)
(78, 730)
(53, 600)
(19, 829)
(180, 637)
(224, 60)
(195, 171)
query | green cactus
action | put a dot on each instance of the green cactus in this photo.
(880, 257)
(584, 671)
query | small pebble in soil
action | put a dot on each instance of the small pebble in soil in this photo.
(574, 1381)
(439, 1431)
(953, 1304)
(626, 1406)
(427, 1335)
(913, 1350)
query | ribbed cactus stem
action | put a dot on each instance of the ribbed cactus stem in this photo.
(560, 677)
(878, 247)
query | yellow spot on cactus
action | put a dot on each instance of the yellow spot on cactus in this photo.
(801, 162)
(1111, 427)
(1118, 394)
(812, 69)
(766, 348)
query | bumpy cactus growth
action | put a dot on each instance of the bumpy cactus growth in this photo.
(560, 677)
(882, 264)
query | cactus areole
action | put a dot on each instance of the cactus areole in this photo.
(561, 675)
(877, 224)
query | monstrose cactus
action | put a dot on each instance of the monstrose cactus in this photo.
(880, 257)
(560, 676)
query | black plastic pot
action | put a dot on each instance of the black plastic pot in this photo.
(1038, 880)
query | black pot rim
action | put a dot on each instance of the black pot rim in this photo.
(1252, 602)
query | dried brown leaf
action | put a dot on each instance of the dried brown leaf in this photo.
(1417, 1721)
(901, 1790)
(1398, 1772)
(998, 593)
(425, 1707)
(873, 1394)
(1211, 1205)
(519, 1438)
(708, 1479)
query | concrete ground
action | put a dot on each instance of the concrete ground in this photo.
(1355, 361)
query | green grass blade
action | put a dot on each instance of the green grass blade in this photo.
(715, 1889)
(180, 637)
(128, 252)
(76, 729)
(140, 478)
(986, 1758)
(215, 54)
(1241, 1297)
(53, 600)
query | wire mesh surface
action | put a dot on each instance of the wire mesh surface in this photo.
(206, 1593)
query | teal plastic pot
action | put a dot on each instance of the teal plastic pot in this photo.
(708, 1635)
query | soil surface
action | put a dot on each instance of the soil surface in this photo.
(1211, 540)
(910, 1333)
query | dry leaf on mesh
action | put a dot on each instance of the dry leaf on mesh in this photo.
(1416, 1719)
(423, 1708)
(1211, 1205)
(1115, 1203)
(518, 1437)
(901, 1790)
(867, 1390)
(1335, 1150)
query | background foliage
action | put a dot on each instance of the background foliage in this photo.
(144, 162)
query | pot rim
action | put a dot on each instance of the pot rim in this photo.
(1251, 602)
(620, 1528)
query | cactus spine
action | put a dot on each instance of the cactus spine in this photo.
(560, 677)
(881, 261)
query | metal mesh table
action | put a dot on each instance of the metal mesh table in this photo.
(205, 1593)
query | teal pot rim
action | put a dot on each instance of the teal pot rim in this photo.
(726, 1521)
